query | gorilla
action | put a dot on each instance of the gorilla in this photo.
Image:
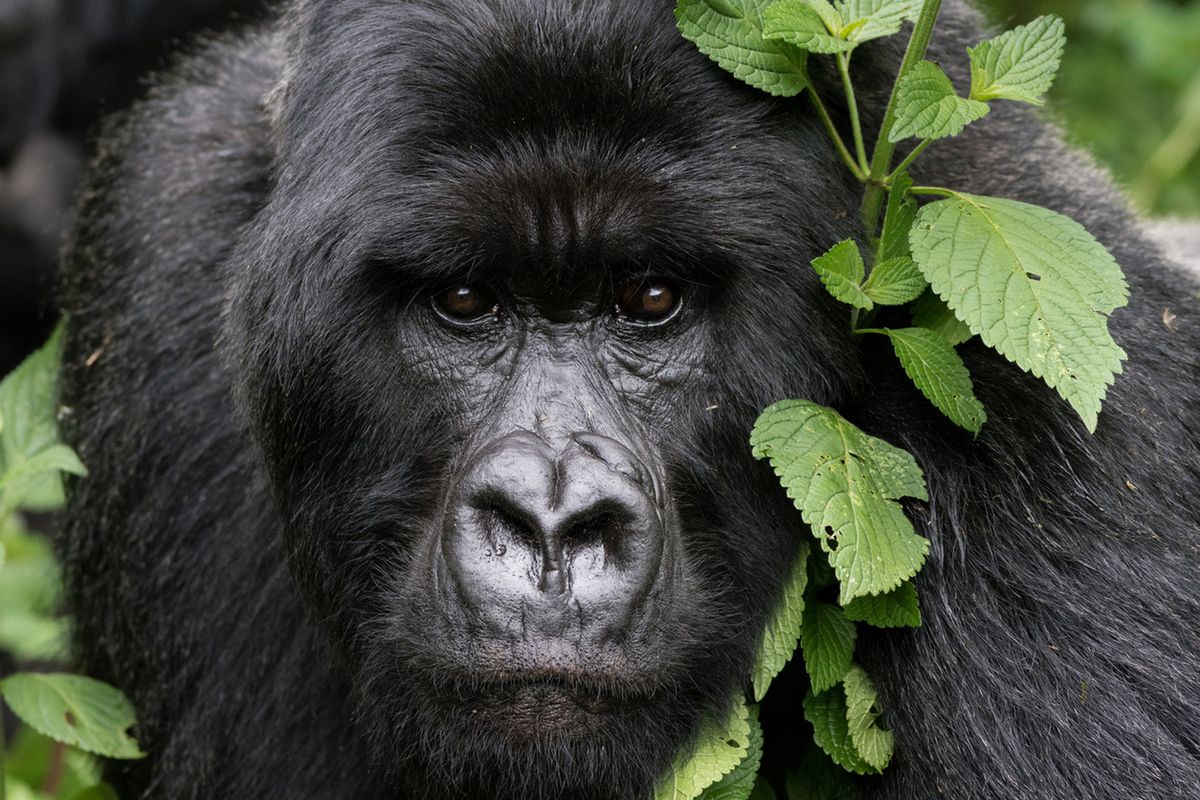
(415, 347)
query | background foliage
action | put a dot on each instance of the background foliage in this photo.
(1129, 91)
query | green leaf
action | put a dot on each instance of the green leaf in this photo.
(876, 18)
(874, 745)
(783, 631)
(762, 790)
(846, 484)
(899, 608)
(101, 792)
(939, 372)
(842, 271)
(74, 710)
(899, 219)
(32, 758)
(1033, 284)
(740, 783)
(1019, 64)
(805, 24)
(730, 32)
(895, 282)
(30, 454)
(931, 312)
(826, 712)
(828, 641)
(722, 746)
(33, 637)
(928, 108)
(818, 778)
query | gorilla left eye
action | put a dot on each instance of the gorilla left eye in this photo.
(649, 301)
(466, 303)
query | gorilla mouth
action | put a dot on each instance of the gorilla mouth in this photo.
(542, 705)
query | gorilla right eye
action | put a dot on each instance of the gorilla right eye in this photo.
(466, 303)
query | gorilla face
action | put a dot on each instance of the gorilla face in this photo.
(491, 334)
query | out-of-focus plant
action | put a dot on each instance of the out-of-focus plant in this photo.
(1129, 91)
(64, 718)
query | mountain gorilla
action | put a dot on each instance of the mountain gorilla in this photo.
(415, 349)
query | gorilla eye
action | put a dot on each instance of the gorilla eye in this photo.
(649, 301)
(466, 303)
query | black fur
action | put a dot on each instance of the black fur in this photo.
(270, 431)
(63, 62)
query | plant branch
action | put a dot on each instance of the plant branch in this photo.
(881, 160)
(843, 151)
(843, 62)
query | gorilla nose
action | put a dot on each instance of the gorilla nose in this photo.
(530, 526)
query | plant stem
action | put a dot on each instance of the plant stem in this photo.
(936, 190)
(881, 160)
(843, 151)
(907, 162)
(843, 62)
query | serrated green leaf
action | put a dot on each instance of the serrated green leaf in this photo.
(939, 372)
(876, 18)
(898, 220)
(740, 783)
(842, 271)
(818, 778)
(1033, 284)
(846, 485)
(874, 744)
(730, 32)
(932, 313)
(74, 710)
(826, 712)
(927, 106)
(783, 631)
(827, 639)
(806, 25)
(721, 747)
(900, 608)
(31, 456)
(895, 282)
(1019, 64)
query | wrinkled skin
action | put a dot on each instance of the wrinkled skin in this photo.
(416, 348)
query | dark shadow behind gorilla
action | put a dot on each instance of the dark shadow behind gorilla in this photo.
(62, 63)
(408, 146)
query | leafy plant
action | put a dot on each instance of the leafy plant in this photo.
(1032, 284)
(68, 716)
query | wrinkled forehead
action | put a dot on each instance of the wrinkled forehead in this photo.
(542, 134)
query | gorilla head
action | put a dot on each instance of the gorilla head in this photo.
(492, 332)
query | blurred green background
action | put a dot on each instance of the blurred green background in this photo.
(1129, 91)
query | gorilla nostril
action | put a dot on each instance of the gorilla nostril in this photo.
(505, 526)
(604, 529)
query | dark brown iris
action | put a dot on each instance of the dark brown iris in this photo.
(466, 302)
(652, 300)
